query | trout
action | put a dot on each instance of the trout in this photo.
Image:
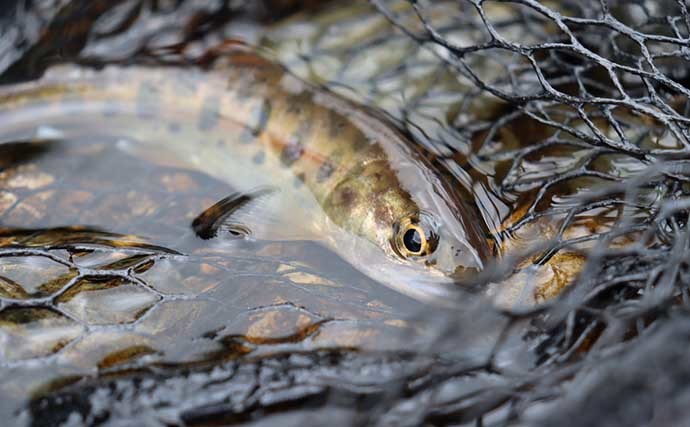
(306, 163)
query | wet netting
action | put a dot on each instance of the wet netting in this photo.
(567, 121)
(592, 134)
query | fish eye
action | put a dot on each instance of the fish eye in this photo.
(415, 236)
(413, 240)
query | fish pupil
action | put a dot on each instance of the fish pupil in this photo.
(412, 240)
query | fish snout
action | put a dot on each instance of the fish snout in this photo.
(457, 261)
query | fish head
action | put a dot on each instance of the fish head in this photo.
(417, 254)
(436, 243)
(412, 234)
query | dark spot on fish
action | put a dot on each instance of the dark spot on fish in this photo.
(263, 114)
(294, 108)
(220, 143)
(294, 149)
(210, 113)
(174, 127)
(360, 142)
(259, 158)
(325, 171)
(296, 103)
(148, 102)
(299, 180)
(258, 121)
(347, 197)
(292, 152)
(336, 124)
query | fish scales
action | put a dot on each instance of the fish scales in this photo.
(300, 131)
(342, 175)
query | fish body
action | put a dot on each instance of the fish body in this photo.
(318, 166)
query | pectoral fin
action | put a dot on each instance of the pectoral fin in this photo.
(265, 214)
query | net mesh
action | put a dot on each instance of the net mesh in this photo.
(597, 92)
(570, 116)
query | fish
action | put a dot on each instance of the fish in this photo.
(307, 163)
